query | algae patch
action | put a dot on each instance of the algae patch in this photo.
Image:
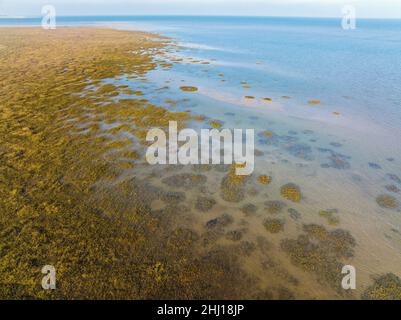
(273, 225)
(189, 88)
(385, 287)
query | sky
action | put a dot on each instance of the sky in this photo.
(308, 8)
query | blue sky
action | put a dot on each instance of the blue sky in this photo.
(312, 8)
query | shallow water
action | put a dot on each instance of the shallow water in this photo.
(338, 151)
(342, 152)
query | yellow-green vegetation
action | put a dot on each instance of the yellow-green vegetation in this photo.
(385, 287)
(249, 97)
(291, 192)
(189, 89)
(61, 201)
(264, 179)
(199, 118)
(320, 252)
(107, 89)
(268, 133)
(274, 206)
(274, 225)
(331, 216)
(215, 124)
(386, 201)
(133, 92)
(234, 235)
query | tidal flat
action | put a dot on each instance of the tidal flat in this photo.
(56, 160)
(77, 193)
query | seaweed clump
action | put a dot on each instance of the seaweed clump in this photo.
(234, 235)
(291, 192)
(336, 160)
(275, 206)
(249, 209)
(189, 89)
(386, 201)
(274, 225)
(319, 251)
(385, 287)
(294, 214)
(394, 178)
(185, 180)
(331, 216)
(219, 222)
(232, 186)
(205, 204)
(215, 124)
(53, 170)
(392, 188)
(263, 179)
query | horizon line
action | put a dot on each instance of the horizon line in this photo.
(16, 17)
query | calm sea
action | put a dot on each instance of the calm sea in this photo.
(354, 70)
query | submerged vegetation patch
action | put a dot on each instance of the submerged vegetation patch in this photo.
(205, 204)
(386, 201)
(274, 225)
(320, 251)
(189, 89)
(232, 186)
(291, 192)
(264, 179)
(275, 206)
(215, 124)
(185, 180)
(249, 209)
(64, 198)
(331, 216)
